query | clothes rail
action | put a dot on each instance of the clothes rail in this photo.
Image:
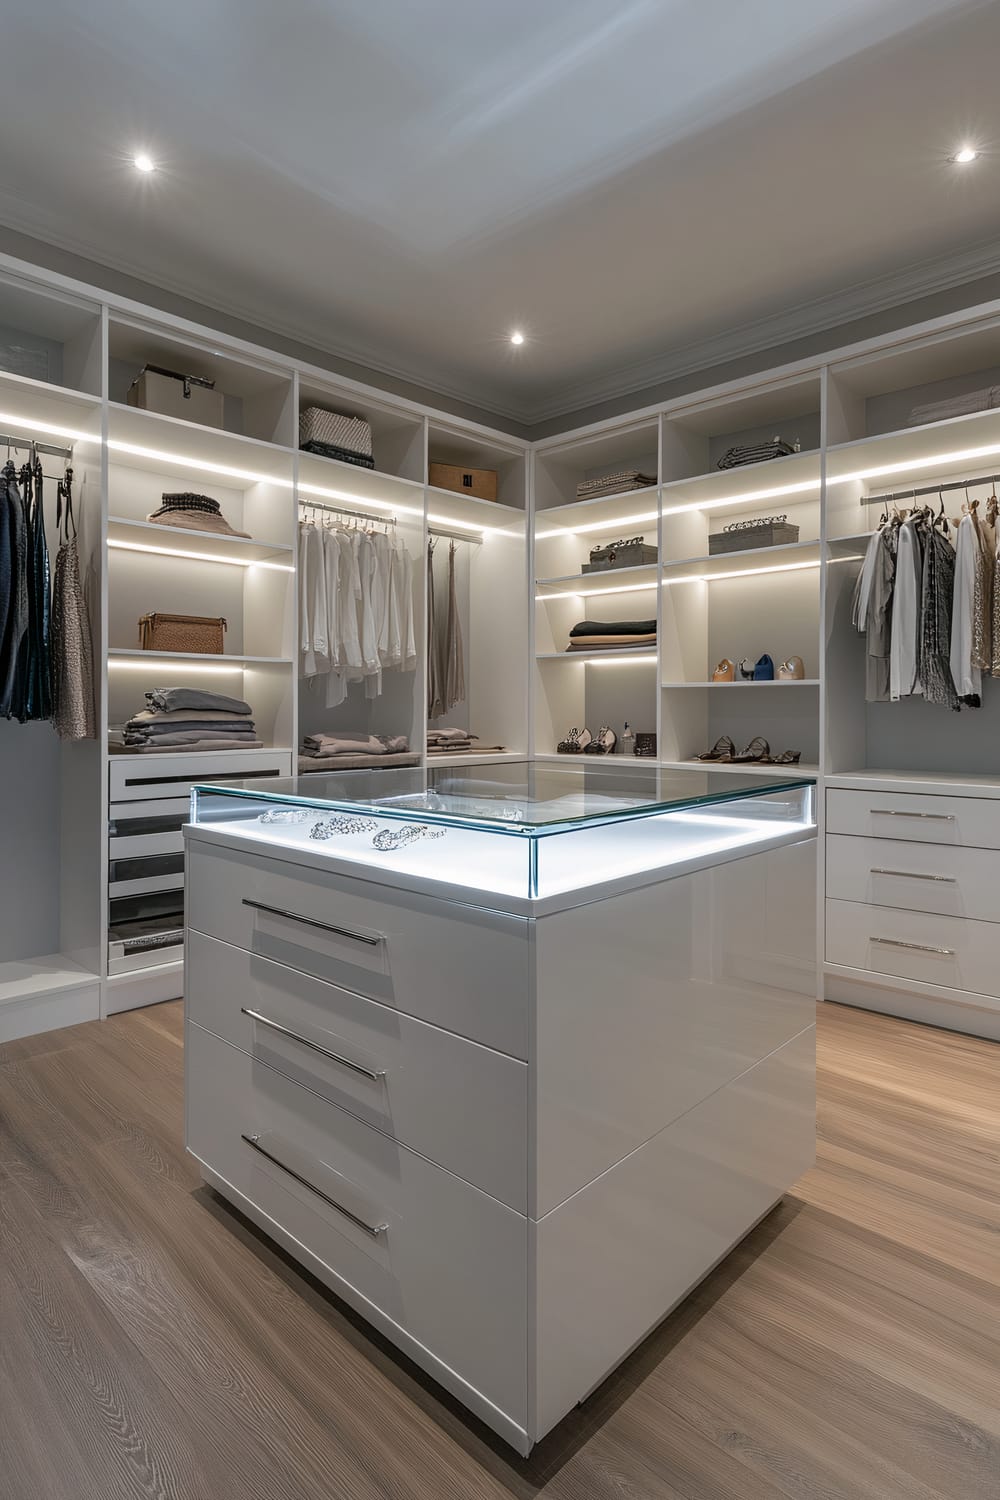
(14, 440)
(456, 536)
(931, 489)
(343, 510)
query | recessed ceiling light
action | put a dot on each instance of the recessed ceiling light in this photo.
(516, 337)
(143, 162)
(967, 153)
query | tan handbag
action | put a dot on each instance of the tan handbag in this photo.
(203, 634)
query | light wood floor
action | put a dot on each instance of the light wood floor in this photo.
(152, 1344)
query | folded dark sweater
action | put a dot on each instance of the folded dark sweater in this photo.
(153, 727)
(614, 627)
(187, 697)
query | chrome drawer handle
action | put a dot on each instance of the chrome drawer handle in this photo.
(373, 1229)
(916, 875)
(918, 947)
(345, 1062)
(891, 812)
(293, 916)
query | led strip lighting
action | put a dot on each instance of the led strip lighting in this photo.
(236, 562)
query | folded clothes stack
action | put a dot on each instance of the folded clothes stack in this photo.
(449, 741)
(755, 453)
(612, 635)
(354, 750)
(619, 483)
(955, 406)
(191, 719)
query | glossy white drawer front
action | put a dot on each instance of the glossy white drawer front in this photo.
(462, 1105)
(915, 817)
(657, 1222)
(138, 777)
(951, 951)
(444, 1261)
(455, 966)
(943, 878)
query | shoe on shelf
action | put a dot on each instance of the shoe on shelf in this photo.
(725, 671)
(723, 750)
(574, 743)
(763, 670)
(786, 758)
(757, 750)
(604, 743)
(745, 670)
(791, 670)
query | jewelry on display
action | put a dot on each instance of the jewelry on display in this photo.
(327, 827)
(287, 815)
(399, 838)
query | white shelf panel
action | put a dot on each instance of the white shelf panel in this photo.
(126, 653)
(955, 783)
(634, 580)
(803, 768)
(333, 482)
(791, 479)
(475, 758)
(793, 683)
(937, 450)
(147, 536)
(48, 413)
(449, 508)
(719, 564)
(169, 445)
(637, 653)
(32, 978)
(634, 509)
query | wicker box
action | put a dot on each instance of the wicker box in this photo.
(191, 397)
(203, 634)
(333, 434)
(776, 532)
(482, 483)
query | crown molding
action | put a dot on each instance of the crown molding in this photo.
(805, 319)
(865, 299)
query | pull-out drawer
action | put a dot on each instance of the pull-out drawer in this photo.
(444, 1261)
(915, 817)
(955, 882)
(456, 966)
(953, 952)
(139, 778)
(148, 827)
(460, 1104)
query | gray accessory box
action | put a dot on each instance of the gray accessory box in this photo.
(632, 553)
(191, 397)
(772, 531)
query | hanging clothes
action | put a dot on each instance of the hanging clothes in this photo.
(454, 651)
(13, 664)
(38, 695)
(937, 597)
(877, 622)
(966, 677)
(996, 599)
(982, 614)
(435, 676)
(71, 647)
(904, 673)
(8, 585)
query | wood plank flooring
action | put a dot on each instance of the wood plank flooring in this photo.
(152, 1344)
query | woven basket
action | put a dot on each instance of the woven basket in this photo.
(333, 429)
(201, 634)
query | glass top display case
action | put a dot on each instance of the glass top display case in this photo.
(524, 831)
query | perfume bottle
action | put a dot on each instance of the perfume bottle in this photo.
(628, 740)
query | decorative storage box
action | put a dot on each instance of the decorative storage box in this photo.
(332, 434)
(624, 554)
(479, 482)
(191, 397)
(204, 634)
(770, 531)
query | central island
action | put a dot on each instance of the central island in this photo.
(509, 1056)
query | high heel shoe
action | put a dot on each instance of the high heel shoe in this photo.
(575, 742)
(723, 750)
(745, 670)
(725, 671)
(757, 750)
(791, 670)
(604, 743)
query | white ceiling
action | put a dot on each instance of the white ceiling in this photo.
(404, 183)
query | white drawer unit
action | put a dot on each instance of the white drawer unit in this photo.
(443, 1261)
(459, 967)
(140, 778)
(462, 1105)
(950, 952)
(952, 881)
(916, 817)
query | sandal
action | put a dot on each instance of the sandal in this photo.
(786, 758)
(758, 750)
(723, 749)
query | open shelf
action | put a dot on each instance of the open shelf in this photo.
(27, 978)
(637, 653)
(468, 513)
(474, 758)
(173, 447)
(146, 536)
(799, 682)
(561, 467)
(469, 449)
(136, 654)
(639, 577)
(48, 413)
(336, 482)
(49, 337)
(755, 768)
(696, 437)
(789, 557)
